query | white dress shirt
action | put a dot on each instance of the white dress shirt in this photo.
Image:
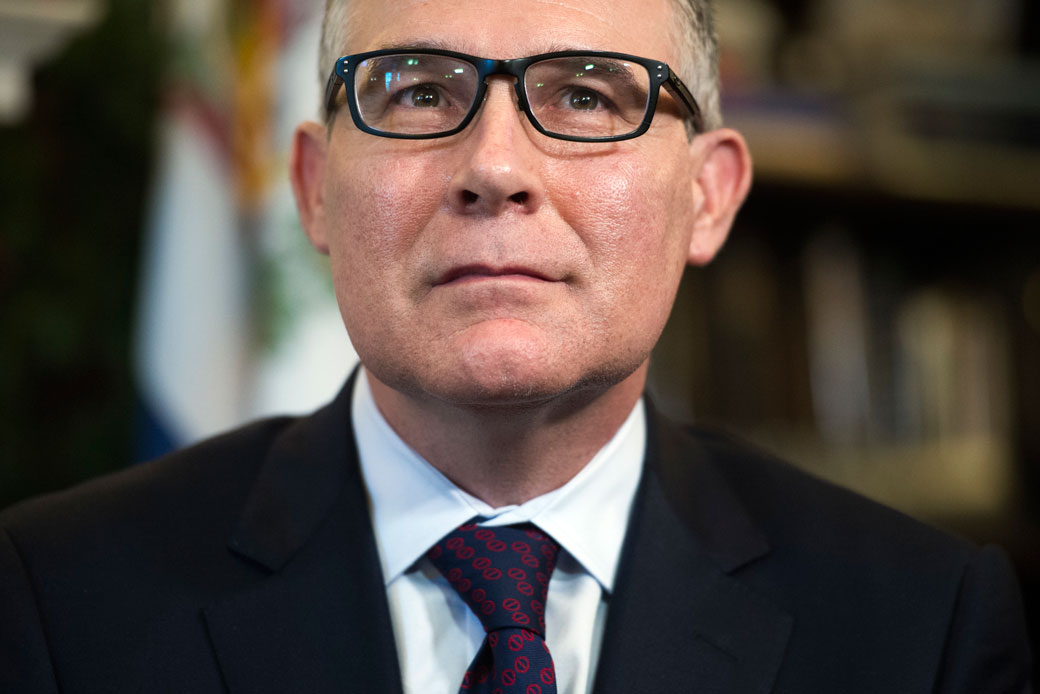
(413, 506)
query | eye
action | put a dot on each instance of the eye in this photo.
(425, 96)
(584, 100)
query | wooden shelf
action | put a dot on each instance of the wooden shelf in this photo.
(823, 141)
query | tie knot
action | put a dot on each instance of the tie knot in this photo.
(501, 573)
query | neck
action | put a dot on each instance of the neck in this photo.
(510, 455)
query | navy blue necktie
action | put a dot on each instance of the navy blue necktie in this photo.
(503, 576)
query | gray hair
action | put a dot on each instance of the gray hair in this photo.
(694, 34)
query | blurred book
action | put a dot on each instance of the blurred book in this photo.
(838, 334)
(953, 354)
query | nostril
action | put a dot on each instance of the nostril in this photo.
(469, 197)
(519, 198)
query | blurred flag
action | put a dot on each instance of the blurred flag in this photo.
(303, 353)
(236, 315)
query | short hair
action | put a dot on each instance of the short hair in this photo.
(694, 35)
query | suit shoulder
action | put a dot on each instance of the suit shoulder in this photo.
(859, 577)
(796, 506)
(205, 479)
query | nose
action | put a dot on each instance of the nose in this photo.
(498, 167)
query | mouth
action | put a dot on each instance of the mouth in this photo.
(473, 273)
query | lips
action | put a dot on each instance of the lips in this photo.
(476, 272)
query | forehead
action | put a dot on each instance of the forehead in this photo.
(516, 28)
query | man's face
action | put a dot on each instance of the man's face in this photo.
(499, 266)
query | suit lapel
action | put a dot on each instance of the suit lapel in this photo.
(318, 621)
(678, 620)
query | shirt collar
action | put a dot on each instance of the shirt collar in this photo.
(413, 505)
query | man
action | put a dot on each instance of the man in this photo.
(506, 237)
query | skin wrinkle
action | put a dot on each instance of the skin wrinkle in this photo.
(509, 386)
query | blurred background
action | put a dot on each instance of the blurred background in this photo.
(875, 317)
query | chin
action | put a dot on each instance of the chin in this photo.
(505, 364)
(511, 382)
(504, 373)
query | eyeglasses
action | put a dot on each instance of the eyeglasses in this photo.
(583, 96)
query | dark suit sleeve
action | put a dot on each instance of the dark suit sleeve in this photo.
(987, 649)
(25, 664)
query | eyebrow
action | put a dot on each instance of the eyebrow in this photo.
(422, 44)
(435, 44)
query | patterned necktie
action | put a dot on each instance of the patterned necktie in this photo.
(503, 576)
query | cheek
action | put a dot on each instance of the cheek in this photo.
(635, 218)
(377, 208)
(633, 215)
(379, 205)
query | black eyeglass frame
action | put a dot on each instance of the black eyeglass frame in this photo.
(660, 76)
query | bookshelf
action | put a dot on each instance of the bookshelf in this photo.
(875, 316)
(881, 341)
(905, 140)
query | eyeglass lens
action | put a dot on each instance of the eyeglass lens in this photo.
(578, 96)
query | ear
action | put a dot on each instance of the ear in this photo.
(307, 173)
(721, 184)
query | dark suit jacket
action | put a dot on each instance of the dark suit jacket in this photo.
(247, 564)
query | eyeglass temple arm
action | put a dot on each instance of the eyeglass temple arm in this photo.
(677, 89)
(331, 87)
